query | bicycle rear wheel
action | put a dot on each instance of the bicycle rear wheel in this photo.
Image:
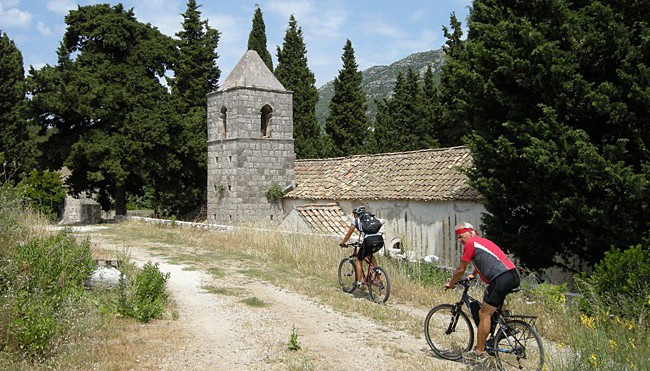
(379, 285)
(449, 331)
(520, 349)
(347, 275)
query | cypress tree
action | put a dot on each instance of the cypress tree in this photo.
(196, 72)
(347, 123)
(16, 152)
(257, 38)
(453, 117)
(195, 75)
(403, 120)
(557, 96)
(294, 74)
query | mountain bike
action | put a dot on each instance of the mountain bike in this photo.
(373, 277)
(513, 341)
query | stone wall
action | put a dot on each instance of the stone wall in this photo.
(80, 210)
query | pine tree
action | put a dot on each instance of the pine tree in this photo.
(257, 38)
(347, 123)
(294, 74)
(16, 151)
(557, 96)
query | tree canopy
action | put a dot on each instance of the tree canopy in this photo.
(16, 152)
(196, 72)
(257, 38)
(557, 94)
(294, 74)
(347, 124)
(111, 119)
(404, 120)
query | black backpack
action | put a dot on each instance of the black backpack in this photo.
(369, 224)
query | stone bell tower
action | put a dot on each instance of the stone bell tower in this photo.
(250, 144)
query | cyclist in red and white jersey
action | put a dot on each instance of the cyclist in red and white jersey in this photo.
(495, 269)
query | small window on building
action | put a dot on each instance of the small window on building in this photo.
(266, 113)
(224, 110)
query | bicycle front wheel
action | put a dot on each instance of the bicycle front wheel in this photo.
(379, 285)
(347, 275)
(448, 331)
(519, 348)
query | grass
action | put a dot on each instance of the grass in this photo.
(307, 265)
(255, 302)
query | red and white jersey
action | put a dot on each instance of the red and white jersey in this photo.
(488, 259)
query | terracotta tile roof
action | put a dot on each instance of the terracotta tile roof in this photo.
(427, 175)
(324, 218)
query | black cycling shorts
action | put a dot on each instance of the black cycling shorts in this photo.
(371, 244)
(501, 286)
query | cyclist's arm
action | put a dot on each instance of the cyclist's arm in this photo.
(458, 273)
(347, 236)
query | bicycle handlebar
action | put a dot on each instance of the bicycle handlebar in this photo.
(350, 244)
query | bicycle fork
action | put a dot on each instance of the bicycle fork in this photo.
(454, 319)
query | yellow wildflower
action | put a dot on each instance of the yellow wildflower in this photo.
(593, 360)
(587, 321)
(612, 343)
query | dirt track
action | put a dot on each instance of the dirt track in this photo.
(226, 333)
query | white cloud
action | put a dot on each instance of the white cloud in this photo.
(43, 29)
(61, 6)
(11, 16)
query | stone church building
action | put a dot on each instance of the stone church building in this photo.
(420, 195)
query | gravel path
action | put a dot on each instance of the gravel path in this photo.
(227, 333)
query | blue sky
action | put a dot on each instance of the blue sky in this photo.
(381, 31)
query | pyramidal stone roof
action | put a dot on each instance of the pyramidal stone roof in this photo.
(251, 72)
(426, 175)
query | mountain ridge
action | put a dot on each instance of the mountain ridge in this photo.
(378, 82)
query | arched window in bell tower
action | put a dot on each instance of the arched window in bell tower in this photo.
(266, 113)
(223, 122)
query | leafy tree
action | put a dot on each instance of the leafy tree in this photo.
(44, 190)
(16, 151)
(292, 71)
(111, 120)
(347, 123)
(556, 93)
(257, 38)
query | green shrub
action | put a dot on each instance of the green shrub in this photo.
(274, 193)
(40, 277)
(144, 297)
(620, 282)
(44, 191)
(553, 297)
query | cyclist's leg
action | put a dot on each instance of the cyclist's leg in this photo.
(494, 298)
(361, 255)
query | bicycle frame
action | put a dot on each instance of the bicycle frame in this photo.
(367, 259)
(498, 319)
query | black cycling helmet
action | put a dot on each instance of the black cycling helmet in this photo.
(359, 210)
